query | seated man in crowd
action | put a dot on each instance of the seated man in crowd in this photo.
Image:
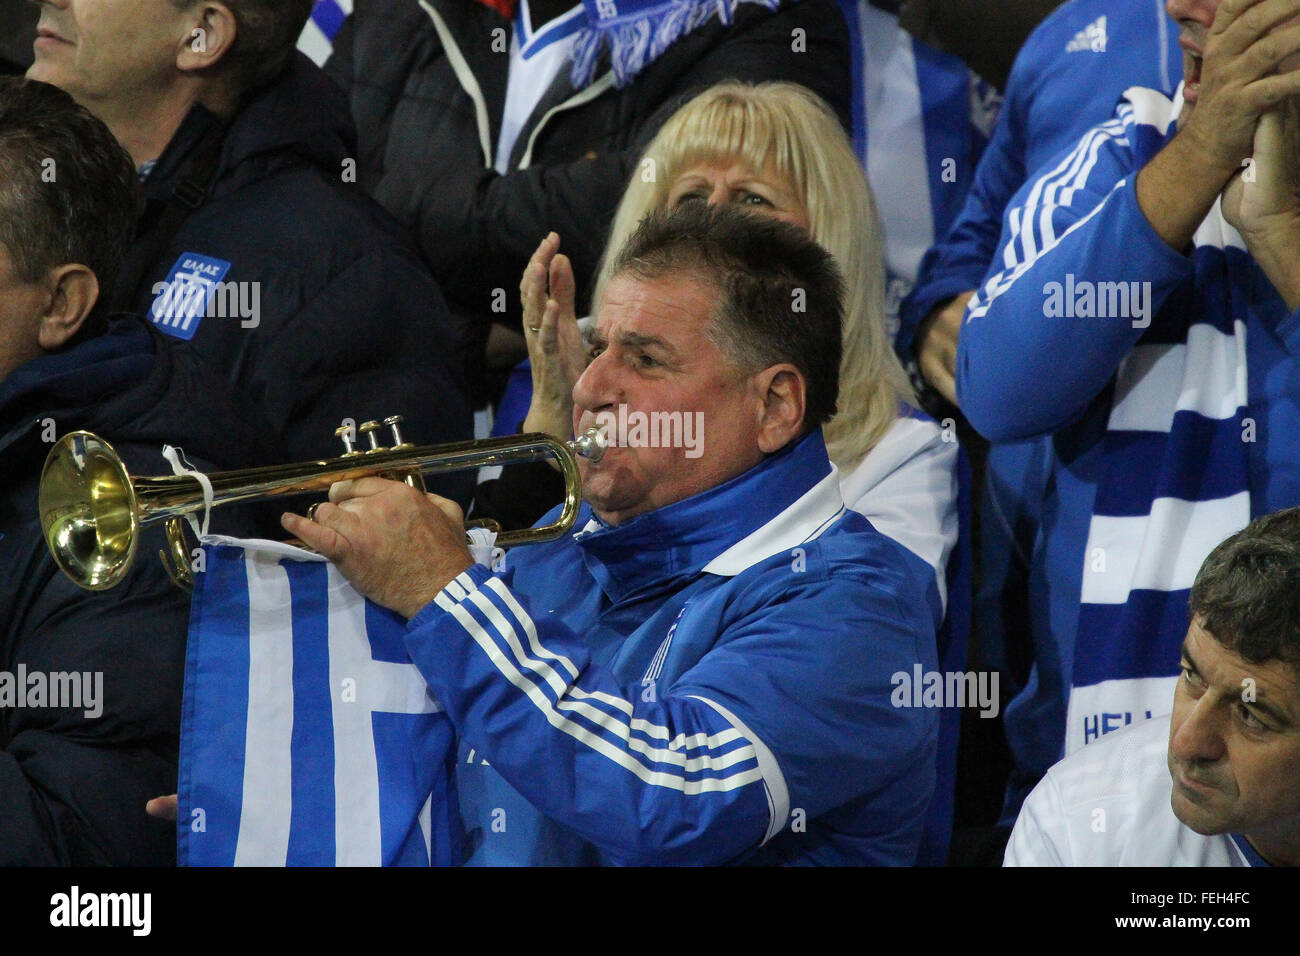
(1145, 319)
(1219, 783)
(90, 682)
(254, 252)
(702, 673)
(487, 124)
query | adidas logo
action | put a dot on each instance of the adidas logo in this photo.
(1092, 37)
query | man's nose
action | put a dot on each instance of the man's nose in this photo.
(1199, 737)
(596, 387)
(1202, 11)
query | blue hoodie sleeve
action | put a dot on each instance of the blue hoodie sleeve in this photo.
(1028, 360)
(790, 712)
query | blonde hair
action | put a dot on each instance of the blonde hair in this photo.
(783, 129)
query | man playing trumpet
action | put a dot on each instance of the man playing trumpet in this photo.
(701, 673)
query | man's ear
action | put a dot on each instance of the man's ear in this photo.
(784, 402)
(211, 36)
(74, 290)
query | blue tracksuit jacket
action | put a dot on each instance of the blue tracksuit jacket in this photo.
(710, 682)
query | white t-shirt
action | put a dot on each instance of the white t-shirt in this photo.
(535, 60)
(1108, 805)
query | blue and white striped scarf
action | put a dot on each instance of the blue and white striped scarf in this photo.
(1174, 476)
(637, 32)
(1172, 469)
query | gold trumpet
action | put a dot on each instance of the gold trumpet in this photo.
(92, 511)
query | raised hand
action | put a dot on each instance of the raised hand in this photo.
(555, 347)
(1263, 196)
(1236, 72)
(1263, 201)
(1238, 79)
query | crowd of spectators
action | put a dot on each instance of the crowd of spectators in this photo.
(1058, 243)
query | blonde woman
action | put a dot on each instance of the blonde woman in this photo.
(776, 149)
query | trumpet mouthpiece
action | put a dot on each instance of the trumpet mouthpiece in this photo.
(591, 444)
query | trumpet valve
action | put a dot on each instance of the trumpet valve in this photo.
(393, 421)
(345, 433)
(368, 429)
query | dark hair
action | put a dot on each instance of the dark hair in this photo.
(266, 34)
(780, 291)
(68, 190)
(1247, 593)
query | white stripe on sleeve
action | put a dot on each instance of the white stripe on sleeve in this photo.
(778, 796)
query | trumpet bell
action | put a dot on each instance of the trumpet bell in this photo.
(88, 511)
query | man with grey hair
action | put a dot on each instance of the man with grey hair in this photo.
(257, 252)
(1220, 784)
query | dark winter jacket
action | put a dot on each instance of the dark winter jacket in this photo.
(349, 322)
(73, 782)
(17, 31)
(421, 137)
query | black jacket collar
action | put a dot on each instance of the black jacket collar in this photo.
(301, 117)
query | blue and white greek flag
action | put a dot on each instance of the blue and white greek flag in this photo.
(308, 737)
(317, 39)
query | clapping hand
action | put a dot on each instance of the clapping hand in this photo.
(555, 348)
